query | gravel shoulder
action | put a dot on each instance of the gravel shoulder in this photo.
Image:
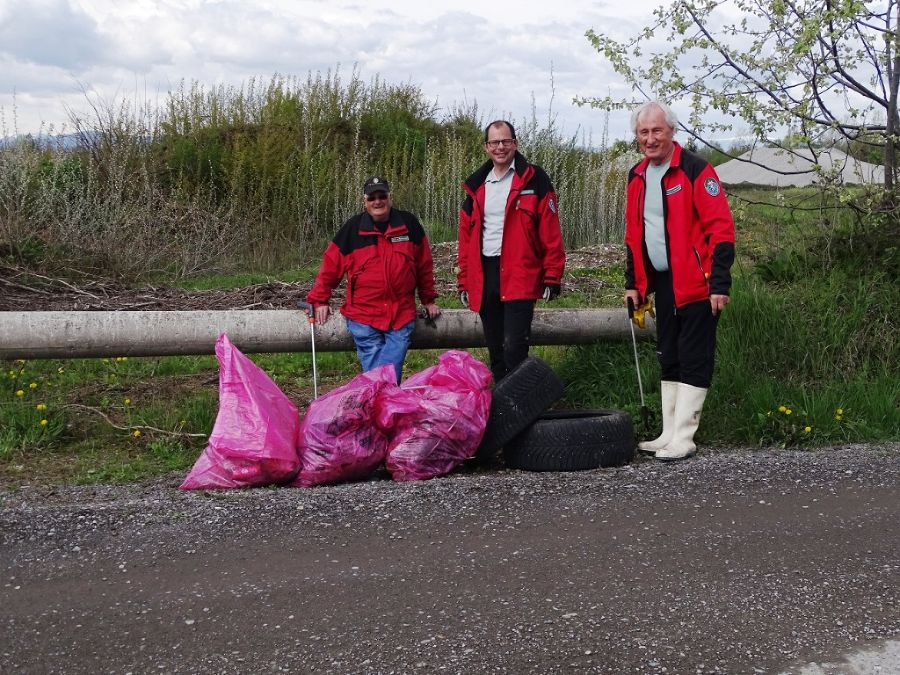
(738, 561)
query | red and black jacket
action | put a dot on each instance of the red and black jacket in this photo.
(383, 270)
(699, 230)
(531, 254)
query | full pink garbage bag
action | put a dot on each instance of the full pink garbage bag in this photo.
(339, 437)
(438, 418)
(254, 439)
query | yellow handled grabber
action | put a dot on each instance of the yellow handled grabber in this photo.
(310, 312)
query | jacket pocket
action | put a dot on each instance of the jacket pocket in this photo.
(700, 265)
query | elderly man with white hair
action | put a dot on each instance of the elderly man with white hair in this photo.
(679, 234)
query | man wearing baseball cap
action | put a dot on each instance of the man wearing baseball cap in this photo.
(385, 255)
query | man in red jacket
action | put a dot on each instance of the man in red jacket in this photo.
(510, 246)
(679, 234)
(385, 254)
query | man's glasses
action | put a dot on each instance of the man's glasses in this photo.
(503, 142)
(377, 196)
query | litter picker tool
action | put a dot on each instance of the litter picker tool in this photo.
(311, 313)
(645, 411)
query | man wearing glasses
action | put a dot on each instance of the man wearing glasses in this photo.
(510, 246)
(385, 254)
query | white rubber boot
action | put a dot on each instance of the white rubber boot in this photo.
(668, 392)
(688, 406)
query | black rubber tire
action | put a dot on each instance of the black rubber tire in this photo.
(517, 401)
(573, 440)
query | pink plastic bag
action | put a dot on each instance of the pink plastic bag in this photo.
(254, 439)
(340, 438)
(438, 418)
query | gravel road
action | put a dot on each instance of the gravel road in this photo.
(738, 561)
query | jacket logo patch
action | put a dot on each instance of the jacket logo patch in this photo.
(672, 191)
(527, 192)
(712, 187)
(405, 237)
(552, 205)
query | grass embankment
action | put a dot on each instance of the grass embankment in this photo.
(807, 356)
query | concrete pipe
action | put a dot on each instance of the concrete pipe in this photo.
(57, 335)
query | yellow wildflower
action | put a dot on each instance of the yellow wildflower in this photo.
(127, 401)
(44, 423)
(40, 406)
(33, 385)
(788, 411)
(19, 392)
(807, 429)
(781, 408)
(60, 370)
(839, 411)
(136, 433)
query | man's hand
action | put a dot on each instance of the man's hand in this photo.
(432, 310)
(718, 302)
(464, 298)
(551, 292)
(635, 297)
(322, 314)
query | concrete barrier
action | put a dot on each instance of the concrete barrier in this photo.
(45, 335)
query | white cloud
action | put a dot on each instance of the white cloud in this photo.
(499, 54)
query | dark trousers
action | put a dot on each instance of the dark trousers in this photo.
(685, 337)
(507, 324)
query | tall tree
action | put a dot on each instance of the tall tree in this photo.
(817, 68)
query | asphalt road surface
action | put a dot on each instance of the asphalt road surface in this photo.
(733, 562)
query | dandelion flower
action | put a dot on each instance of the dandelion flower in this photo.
(40, 406)
(839, 411)
(136, 433)
(781, 408)
(807, 429)
(19, 392)
(44, 423)
(127, 401)
(788, 411)
(33, 385)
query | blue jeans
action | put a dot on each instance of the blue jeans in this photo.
(377, 347)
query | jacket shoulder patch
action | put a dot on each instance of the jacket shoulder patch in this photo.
(712, 187)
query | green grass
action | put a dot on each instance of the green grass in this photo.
(811, 329)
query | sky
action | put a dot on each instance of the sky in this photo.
(508, 57)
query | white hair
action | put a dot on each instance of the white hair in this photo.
(671, 119)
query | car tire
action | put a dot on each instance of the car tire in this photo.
(573, 440)
(517, 401)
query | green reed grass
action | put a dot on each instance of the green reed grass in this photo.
(223, 178)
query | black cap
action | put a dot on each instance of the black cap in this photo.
(376, 184)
